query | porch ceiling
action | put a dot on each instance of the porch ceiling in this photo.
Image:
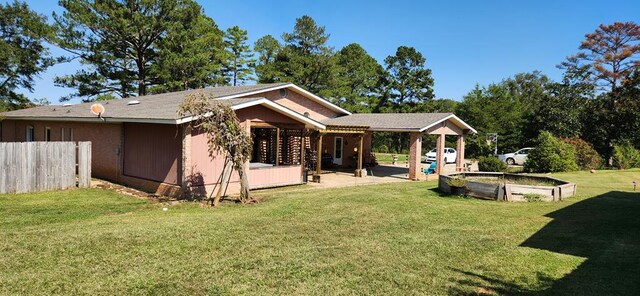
(398, 122)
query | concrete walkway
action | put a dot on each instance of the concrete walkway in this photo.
(385, 173)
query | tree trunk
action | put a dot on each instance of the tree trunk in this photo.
(244, 184)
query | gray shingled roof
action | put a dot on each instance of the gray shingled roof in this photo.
(158, 107)
(389, 121)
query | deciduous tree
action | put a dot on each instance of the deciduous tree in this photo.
(494, 109)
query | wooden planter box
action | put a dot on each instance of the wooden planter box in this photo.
(509, 191)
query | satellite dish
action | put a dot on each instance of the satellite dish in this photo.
(98, 109)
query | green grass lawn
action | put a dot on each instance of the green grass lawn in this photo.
(388, 157)
(401, 238)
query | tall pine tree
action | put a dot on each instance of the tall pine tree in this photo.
(409, 86)
(120, 42)
(240, 64)
(305, 59)
(267, 48)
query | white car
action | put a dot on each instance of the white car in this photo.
(449, 155)
(519, 157)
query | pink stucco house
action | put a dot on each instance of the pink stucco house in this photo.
(141, 142)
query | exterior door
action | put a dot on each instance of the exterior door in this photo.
(337, 150)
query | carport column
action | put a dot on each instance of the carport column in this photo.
(460, 155)
(440, 154)
(415, 152)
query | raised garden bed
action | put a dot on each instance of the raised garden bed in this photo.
(510, 187)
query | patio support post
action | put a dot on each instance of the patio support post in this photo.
(440, 154)
(460, 155)
(415, 152)
(278, 146)
(316, 177)
(359, 173)
(302, 160)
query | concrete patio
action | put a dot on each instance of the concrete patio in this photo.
(384, 173)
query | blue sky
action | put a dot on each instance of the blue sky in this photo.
(464, 42)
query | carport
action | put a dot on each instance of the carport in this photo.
(416, 124)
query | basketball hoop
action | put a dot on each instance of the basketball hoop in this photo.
(98, 110)
(493, 138)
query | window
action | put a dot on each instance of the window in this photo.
(273, 146)
(47, 134)
(66, 134)
(30, 137)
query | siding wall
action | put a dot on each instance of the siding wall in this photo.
(349, 142)
(153, 152)
(105, 139)
(264, 114)
(275, 176)
(300, 104)
(205, 171)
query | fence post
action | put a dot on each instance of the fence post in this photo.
(84, 164)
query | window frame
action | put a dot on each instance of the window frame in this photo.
(30, 134)
(47, 134)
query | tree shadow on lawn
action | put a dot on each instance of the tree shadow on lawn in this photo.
(604, 229)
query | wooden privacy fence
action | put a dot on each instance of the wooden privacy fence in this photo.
(43, 166)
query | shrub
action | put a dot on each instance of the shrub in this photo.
(550, 155)
(457, 182)
(625, 155)
(587, 158)
(383, 149)
(491, 164)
